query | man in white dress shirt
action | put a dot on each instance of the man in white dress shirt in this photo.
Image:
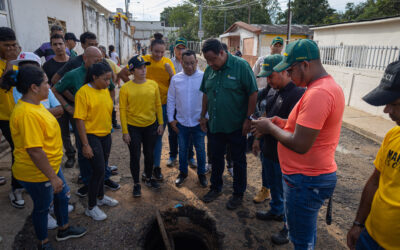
(185, 97)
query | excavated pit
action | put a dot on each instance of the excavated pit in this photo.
(187, 227)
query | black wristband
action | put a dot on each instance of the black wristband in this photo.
(358, 224)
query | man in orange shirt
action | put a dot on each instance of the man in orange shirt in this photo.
(307, 141)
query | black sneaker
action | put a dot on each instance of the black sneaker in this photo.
(137, 190)
(157, 174)
(211, 196)
(45, 246)
(264, 215)
(203, 180)
(83, 191)
(280, 238)
(70, 232)
(234, 202)
(111, 185)
(181, 179)
(152, 183)
(70, 163)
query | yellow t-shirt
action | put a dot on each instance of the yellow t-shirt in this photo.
(383, 222)
(115, 68)
(156, 72)
(139, 104)
(6, 97)
(94, 107)
(34, 126)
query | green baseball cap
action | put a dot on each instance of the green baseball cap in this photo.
(298, 51)
(268, 65)
(182, 41)
(277, 39)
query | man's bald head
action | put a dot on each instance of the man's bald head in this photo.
(91, 56)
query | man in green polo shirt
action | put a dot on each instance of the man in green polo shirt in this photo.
(67, 87)
(230, 95)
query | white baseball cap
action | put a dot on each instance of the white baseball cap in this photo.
(27, 57)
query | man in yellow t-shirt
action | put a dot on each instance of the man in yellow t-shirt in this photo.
(377, 222)
(9, 51)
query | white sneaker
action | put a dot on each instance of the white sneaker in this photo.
(208, 168)
(107, 201)
(51, 222)
(113, 168)
(230, 170)
(16, 198)
(96, 213)
(70, 208)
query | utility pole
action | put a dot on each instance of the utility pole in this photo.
(224, 20)
(248, 20)
(201, 32)
(289, 24)
(126, 8)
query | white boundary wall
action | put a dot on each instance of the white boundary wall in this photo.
(355, 84)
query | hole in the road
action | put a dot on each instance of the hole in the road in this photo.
(187, 228)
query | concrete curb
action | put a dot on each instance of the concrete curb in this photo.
(374, 137)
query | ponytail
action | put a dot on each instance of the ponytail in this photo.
(158, 39)
(23, 78)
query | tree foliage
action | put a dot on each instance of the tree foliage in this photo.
(215, 20)
(218, 15)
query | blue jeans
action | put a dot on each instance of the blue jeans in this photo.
(273, 175)
(218, 142)
(264, 177)
(304, 196)
(84, 164)
(366, 242)
(197, 136)
(42, 196)
(172, 140)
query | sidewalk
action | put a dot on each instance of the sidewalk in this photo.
(372, 127)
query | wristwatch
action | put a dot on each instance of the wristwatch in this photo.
(249, 118)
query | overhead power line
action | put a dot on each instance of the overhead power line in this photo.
(233, 7)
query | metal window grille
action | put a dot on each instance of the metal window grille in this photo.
(364, 57)
(195, 46)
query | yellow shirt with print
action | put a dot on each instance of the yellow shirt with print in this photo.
(6, 97)
(94, 107)
(139, 104)
(156, 71)
(33, 126)
(383, 222)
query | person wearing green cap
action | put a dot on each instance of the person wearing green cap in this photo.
(307, 140)
(179, 48)
(276, 49)
(230, 96)
(278, 100)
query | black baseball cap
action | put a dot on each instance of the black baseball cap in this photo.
(136, 62)
(70, 36)
(388, 90)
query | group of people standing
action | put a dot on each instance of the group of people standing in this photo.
(295, 121)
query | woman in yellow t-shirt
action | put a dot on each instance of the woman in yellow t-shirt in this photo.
(38, 153)
(161, 70)
(141, 119)
(93, 111)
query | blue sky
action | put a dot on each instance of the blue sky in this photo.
(150, 9)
